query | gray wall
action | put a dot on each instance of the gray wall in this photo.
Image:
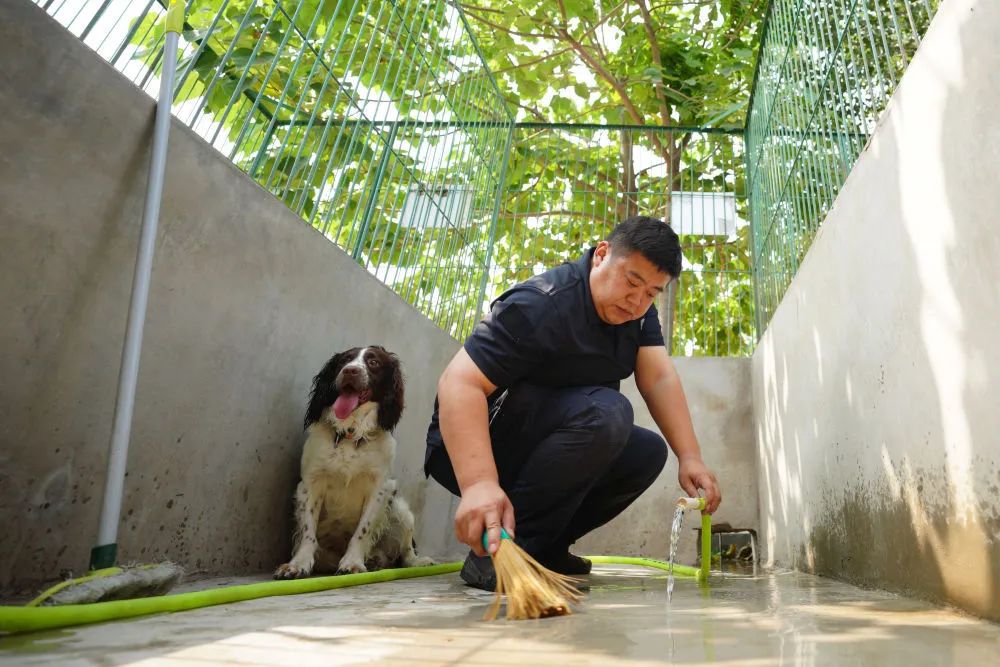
(247, 303)
(719, 395)
(876, 384)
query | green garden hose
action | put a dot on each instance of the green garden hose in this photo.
(14, 619)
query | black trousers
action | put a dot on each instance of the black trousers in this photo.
(569, 459)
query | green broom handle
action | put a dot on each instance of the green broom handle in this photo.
(486, 542)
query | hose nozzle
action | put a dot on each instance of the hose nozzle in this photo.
(691, 503)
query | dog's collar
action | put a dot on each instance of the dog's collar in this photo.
(338, 436)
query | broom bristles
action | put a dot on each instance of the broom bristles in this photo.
(532, 590)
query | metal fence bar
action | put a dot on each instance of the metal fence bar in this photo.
(567, 186)
(354, 113)
(380, 125)
(825, 72)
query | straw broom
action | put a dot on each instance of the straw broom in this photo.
(532, 590)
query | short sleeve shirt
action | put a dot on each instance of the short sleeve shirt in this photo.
(546, 331)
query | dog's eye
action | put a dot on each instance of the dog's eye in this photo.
(373, 363)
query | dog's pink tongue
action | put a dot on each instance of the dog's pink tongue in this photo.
(344, 405)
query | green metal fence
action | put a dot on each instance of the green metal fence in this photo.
(377, 122)
(825, 73)
(568, 185)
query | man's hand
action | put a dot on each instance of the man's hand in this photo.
(692, 475)
(484, 506)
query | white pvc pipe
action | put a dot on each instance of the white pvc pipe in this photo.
(125, 402)
(691, 503)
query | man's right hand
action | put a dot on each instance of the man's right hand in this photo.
(484, 507)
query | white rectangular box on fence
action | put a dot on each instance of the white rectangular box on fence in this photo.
(704, 213)
(434, 207)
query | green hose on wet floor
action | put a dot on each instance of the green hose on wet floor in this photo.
(15, 619)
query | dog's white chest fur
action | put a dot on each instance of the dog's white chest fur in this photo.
(353, 447)
(344, 471)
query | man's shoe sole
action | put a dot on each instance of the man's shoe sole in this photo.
(472, 573)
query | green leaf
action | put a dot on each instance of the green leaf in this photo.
(524, 24)
(652, 73)
(725, 113)
(572, 171)
(530, 88)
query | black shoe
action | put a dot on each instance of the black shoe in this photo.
(563, 562)
(478, 572)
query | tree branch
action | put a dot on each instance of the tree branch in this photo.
(597, 45)
(578, 185)
(746, 16)
(535, 112)
(647, 21)
(599, 69)
(592, 110)
(683, 3)
(597, 25)
(628, 190)
(533, 62)
(629, 82)
(612, 81)
(591, 35)
(509, 31)
(550, 213)
(465, 5)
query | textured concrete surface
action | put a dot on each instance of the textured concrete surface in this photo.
(778, 619)
(876, 383)
(719, 395)
(247, 303)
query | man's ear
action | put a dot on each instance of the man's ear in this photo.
(602, 252)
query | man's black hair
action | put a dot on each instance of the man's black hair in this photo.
(654, 239)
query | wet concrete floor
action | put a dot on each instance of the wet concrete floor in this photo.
(786, 618)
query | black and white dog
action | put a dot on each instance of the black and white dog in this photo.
(349, 517)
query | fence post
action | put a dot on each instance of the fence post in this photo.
(668, 310)
(373, 196)
(493, 223)
(262, 151)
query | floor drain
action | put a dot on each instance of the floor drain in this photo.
(733, 549)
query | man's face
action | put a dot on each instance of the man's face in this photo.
(623, 285)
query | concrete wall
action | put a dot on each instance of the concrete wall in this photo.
(876, 384)
(247, 303)
(719, 394)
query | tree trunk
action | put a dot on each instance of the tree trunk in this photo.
(629, 205)
(668, 299)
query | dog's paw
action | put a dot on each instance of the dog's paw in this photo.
(351, 566)
(419, 561)
(291, 571)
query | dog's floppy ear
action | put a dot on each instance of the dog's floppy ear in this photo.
(324, 389)
(390, 407)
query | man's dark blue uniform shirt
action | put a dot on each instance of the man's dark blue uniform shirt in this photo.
(546, 331)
